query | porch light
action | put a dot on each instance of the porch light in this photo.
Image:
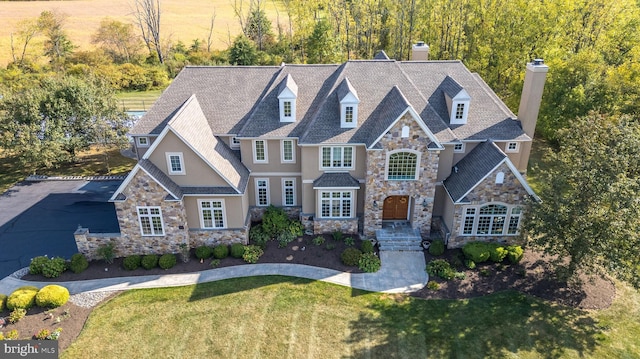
(375, 204)
(425, 203)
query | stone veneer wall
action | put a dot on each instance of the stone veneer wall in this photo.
(510, 192)
(349, 226)
(257, 212)
(420, 191)
(88, 243)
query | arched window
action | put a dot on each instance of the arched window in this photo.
(402, 166)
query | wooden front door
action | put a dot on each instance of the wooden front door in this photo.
(395, 207)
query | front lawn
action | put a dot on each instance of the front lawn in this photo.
(283, 317)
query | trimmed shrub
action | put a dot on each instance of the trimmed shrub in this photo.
(16, 315)
(52, 296)
(132, 262)
(237, 250)
(23, 297)
(204, 252)
(259, 236)
(54, 267)
(351, 256)
(252, 254)
(78, 263)
(318, 241)
(366, 247)
(167, 261)
(369, 262)
(149, 261)
(37, 263)
(469, 263)
(220, 251)
(3, 301)
(497, 253)
(437, 247)
(514, 254)
(441, 268)
(476, 251)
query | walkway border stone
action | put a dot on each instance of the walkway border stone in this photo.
(401, 272)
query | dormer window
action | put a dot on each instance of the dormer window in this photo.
(349, 101)
(287, 95)
(458, 101)
(460, 112)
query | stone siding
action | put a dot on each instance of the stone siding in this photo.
(420, 191)
(257, 212)
(88, 243)
(510, 192)
(347, 226)
(213, 237)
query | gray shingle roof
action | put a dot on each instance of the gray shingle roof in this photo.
(243, 101)
(381, 55)
(472, 168)
(175, 193)
(190, 124)
(336, 180)
(208, 190)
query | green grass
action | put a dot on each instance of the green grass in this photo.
(283, 317)
(137, 101)
(90, 163)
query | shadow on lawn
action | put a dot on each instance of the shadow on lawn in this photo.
(235, 285)
(486, 327)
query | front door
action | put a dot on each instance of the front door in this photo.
(395, 208)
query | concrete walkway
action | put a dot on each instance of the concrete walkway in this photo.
(401, 272)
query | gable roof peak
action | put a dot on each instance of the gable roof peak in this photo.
(345, 88)
(381, 55)
(288, 84)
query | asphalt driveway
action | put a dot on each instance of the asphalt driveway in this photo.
(38, 218)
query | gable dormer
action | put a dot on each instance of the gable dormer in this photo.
(458, 101)
(287, 95)
(349, 101)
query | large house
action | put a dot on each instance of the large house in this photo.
(347, 147)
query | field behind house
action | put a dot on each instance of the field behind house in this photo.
(183, 20)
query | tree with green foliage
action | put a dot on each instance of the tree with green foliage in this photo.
(243, 52)
(57, 45)
(258, 28)
(589, 216)
(118, 40)
(48, 124)
(322, 47)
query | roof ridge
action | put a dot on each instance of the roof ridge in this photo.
(263, 95)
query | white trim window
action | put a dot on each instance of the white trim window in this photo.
(336, 157)
(175, 163)
(336, 204)
(491, 220)
(402, 165)
(235, 142)
(260, 154)
(262, 192)
(286, 108)
(288, 151)
(143, 141)
(150, 220)
(288, 191)
(512, 147)
(212, 214)
(458, 147)
(459, 115)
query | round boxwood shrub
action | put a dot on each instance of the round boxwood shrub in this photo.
(3, 301)
(476, 251)
(78, 263)
(132, 262)
(221, 251)
(167, 261)
(351, 256)
(514, 254)
(367, 247)
(52, 296)
(149, 261)
(204, 252)
(441, 268)
(237, 250)
(37, 263)
(437, 247)
(497, 253)
(23, 297)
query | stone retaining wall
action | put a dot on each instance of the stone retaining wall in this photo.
(349, 226)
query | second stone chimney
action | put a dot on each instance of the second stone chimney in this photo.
(534, 80)
(420, 51)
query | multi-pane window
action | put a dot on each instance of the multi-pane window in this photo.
(337, 157)
(235, 142)
(262, 192)
(348, 114)
(336, 204)
(150, 219)
(175, 164)
(212, 213)
(259, 151)
(459, 111)
(143, 141)
(458, 147)
(287, 108)
(402, 166)
(287, 151)
(492, 219)
(512, 147)
(289, 192)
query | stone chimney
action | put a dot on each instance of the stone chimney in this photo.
(420, 51)
(534, 79)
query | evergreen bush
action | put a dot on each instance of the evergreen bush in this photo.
(351, 256)
(366, 246)
(54, 267)
(23, 297)
(3, 302)
(514, 254)
(476, 251)
(437, 247)
(237, 250)
(497, 253)
(149, 261)
(52, 296)
(441, 268)
(369, 262)
(132, 262)
(204, 252)
(167, 261)
(37, 263)
(220, 251)
(78, 263)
